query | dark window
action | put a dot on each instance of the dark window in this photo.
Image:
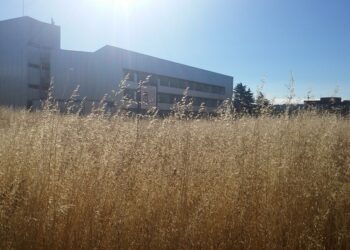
(141, 76)
(177, 98)
(170, 82)
(198, 86)
(152, 80)
(197, 101)
(33, 65)
(192, 85)
(164, 98)
(129, 75)
(212, 103)
(130, 94)
(182, 84)
(164, 81)
(43, 66)
(174, 83)
(29, 104)
(208, 102)
(218, 90)
(33, 86)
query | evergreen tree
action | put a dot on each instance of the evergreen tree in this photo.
(243, 99)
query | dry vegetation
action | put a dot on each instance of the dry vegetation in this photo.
(69, 182)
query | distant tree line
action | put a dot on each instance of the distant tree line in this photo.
(244, 103)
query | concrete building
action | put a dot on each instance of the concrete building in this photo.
(30, 54)
(329, 104)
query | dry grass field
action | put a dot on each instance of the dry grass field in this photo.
(69, 182)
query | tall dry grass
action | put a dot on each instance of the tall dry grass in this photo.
(69, 182)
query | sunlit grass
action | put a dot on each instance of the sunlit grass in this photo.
(69, 182)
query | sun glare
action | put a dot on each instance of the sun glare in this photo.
(125, 6)
(117, 3)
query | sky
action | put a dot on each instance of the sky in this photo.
(261, 43)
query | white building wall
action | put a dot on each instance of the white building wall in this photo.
(70, 69)
(12, 61)
(13, 90)
(24, 41)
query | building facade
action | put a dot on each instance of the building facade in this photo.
(31, 55)
(329, 104)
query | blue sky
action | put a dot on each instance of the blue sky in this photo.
(253, 40)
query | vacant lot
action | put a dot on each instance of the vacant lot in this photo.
(69, 182)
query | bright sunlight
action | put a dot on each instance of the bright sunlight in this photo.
(125, 5)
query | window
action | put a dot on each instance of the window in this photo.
(164, 98)
(29, 104)
(174, 83)
(171, 82)
(171, 99)
(192, 85)
(129, 75)
(182, 84)
(176, 98)
(199, 86)
(33, 65)
(206, 87)
(164, 81)
(197, 101)
(130, 94)
(141, 76)
(33, 86)
(218, 90)
(212, 103)
(152, 80)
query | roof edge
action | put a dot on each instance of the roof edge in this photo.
(106, 47)
(31, 19)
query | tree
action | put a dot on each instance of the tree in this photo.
(261, 100)
(262, 103)
(243, 99)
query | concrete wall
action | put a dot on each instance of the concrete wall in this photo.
(24, 41)
(13, 90)
(70, 69)
(12, 63)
